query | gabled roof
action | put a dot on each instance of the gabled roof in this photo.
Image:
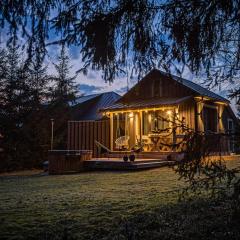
(87, 107)
(194, 90)
(195, 87)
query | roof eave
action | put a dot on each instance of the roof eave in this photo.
(137, 108)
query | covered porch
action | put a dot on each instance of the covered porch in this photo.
(155, 126)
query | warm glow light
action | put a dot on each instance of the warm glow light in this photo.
(130, 115)
(169, 112)
(202, 98)
(221, 103)
(129, 111)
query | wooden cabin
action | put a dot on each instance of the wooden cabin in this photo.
(149, 112)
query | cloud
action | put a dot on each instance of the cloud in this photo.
(90, 83)
(89, 89)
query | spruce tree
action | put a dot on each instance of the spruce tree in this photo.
(65, 87)
(38, 121)
(38, 81)
(20, 111)
(10, 106)
(64, 93)
(3, 68)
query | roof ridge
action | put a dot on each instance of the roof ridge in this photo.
(178, 79)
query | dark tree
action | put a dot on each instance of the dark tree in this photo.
(65, 89)
(3, 69)
(23, 115)
(63, 95)
(202, 35)
(38, 80)
(14, 105)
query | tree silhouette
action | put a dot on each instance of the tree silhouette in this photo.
(65, 89)
(202, 35)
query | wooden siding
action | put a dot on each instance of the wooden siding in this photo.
(218, 143)
(153, 86)
(82, 135)
(187, 111)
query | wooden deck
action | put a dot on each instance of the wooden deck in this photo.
(141, 155)
(119, 164)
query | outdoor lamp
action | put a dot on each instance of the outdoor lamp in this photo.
(52, 126)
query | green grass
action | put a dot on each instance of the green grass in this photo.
(90, 205)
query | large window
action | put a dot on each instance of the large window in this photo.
(120, 125)
(155, 121)
(210, 119)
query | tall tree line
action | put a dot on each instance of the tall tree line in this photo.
(29, 98)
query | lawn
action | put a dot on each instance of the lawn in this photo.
(92, 205)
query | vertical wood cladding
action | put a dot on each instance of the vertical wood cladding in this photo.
(154, 86)
(82, 135)
(187, 111)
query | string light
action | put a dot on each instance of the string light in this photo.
(130, 114)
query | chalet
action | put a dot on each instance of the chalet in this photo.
(148, 112)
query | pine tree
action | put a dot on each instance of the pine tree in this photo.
(65, 88)
(18, 107)
(64, 92)
(3, 68)
(38, 81)
(38, 121)
(10, 106)
(12, 65)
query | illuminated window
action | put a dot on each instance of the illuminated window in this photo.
(155, 121)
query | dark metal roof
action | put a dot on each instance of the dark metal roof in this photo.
(146, 103)
(195, 87)
(88, 107)
(86, 98)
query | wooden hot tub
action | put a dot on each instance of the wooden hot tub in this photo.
(67, 161)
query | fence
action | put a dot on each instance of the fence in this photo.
(82, 134)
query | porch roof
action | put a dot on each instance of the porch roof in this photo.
(146, 103)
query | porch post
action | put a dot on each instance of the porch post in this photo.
(141, 113)
(220, 122)
(174, 129)
(111, 131)
(200, 124)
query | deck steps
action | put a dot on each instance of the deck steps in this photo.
(124, 166)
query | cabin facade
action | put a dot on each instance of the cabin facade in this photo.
(157, 113)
